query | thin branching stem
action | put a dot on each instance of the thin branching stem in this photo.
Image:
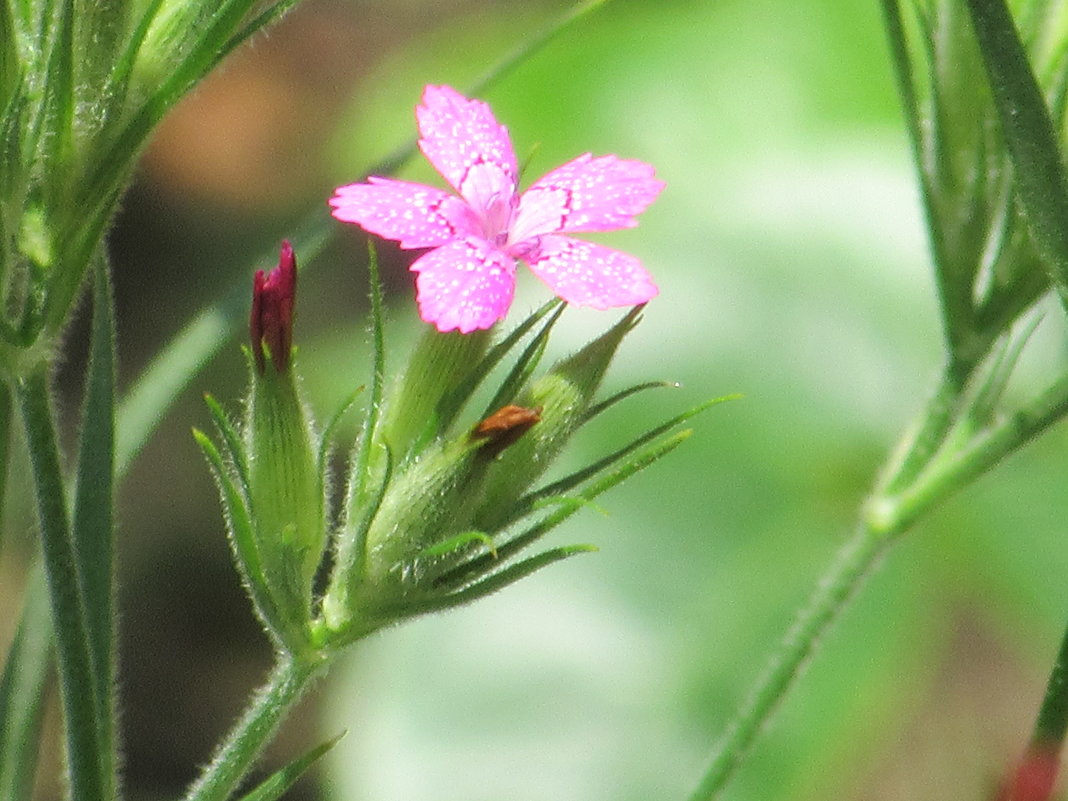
(888, 514)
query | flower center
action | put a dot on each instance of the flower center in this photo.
(497, 217)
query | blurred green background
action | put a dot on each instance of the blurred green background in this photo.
(791, 257)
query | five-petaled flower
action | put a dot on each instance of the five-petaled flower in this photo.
(467, 280)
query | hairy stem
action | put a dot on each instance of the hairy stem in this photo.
(836, 587)
(88, 763)
(886, 516)
(256, 728)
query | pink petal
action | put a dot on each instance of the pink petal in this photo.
(466, 284)
(586, 194)
(414, 215)
(458, 134)
(591, 275)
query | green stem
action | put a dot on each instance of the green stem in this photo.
(256, 728)
(87, 761)
(929, 432)
(950, 473)
(886, 517)
(836, 587)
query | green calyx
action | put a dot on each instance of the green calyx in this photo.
(273, 495)
(563, 395)
(438, 366)
(286, 487)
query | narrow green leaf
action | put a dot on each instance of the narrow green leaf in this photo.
(272, 788)
(350, 546)
(119, 79)
(568, 483)
(459, 542)
(608, 403)
(1028, 133)
(453, 403)
(638, 462)
(100, 31)
(934, 157)
(65, 284)
(93, 532)
(489, 585)
(524, 366)
(365, 464)
(22, 689)
(465, 573)
(361, 459)
(983, 406)
(60, 94)
(37, 27)
(235, 448)
(13, 162)
(10, 68)
(260, 22)
(85, 750)
(285, 632)
(332, 424)
(1052, 721)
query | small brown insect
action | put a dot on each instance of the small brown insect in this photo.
(505, 426)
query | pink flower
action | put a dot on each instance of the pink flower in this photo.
(467, 281)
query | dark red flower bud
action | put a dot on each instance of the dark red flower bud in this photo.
(271, 322)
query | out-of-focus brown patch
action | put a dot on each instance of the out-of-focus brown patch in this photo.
(252, 135)
(972, 721)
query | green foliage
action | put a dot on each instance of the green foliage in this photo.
(281, 780)
(83, 85)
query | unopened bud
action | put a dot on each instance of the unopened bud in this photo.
(271, 321)
(285, 484)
